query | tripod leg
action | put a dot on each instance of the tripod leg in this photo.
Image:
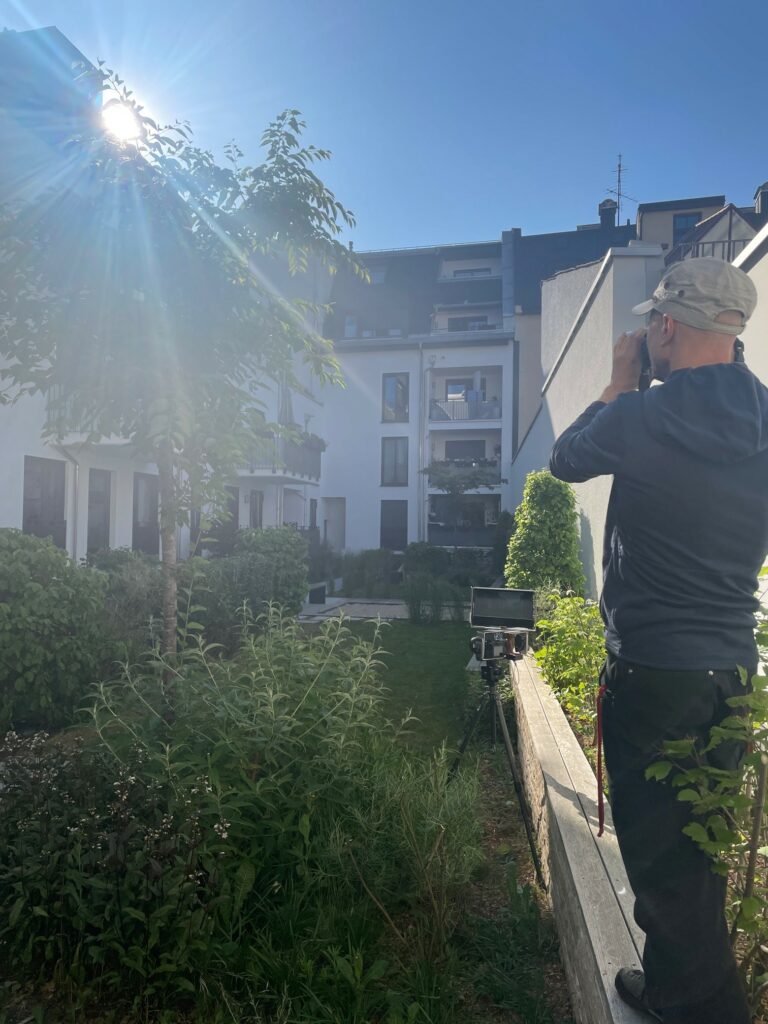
(468, 735)
(515, 772)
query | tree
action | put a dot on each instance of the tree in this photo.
(138, 296)
(544, 549)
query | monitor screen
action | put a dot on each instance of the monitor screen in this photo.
(495, 606)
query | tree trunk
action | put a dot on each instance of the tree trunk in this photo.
(167, 485)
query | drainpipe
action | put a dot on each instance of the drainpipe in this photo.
(75, 497)
(421, 490)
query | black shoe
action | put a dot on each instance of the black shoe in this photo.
(630, 984)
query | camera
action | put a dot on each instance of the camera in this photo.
(506, 619)
(497, 644)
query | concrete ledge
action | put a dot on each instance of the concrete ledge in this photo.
(590, 894)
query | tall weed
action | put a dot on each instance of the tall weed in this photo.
(243, 834)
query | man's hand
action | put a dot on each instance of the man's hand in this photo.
(627, 365)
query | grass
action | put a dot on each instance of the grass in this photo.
(506, 947)
(425, 671)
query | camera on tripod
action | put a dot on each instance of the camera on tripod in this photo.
(506, 619)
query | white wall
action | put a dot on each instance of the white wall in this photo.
(351, 424)
(626, 277)
(755, 335)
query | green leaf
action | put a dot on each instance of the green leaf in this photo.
(659, 770)
(697, 832)
(245, 878)
(688, 794)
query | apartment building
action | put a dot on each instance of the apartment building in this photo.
(440, 352)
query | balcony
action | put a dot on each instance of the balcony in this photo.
(444, 536)
(283, 457)
(481, 472)
(722, 249)
(462, 410)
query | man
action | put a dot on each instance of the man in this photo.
(685, 537)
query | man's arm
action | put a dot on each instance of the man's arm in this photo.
(593, 445)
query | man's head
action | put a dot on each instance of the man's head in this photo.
(695, 314)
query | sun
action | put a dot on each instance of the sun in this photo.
(120, 121)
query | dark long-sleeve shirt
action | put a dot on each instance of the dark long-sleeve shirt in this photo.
(687, 525)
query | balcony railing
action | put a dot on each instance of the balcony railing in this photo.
(491, 468)
(723, 249)
(474, 329)
(283, 457)
(459, 409)
(461, 536)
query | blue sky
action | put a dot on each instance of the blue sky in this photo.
(450, 121)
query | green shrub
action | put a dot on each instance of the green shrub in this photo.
(133, 598)
(439, 595)
(374, 572)
(423, 557)
(416, 592)
(502, 534)
(324, 562)
(572, 652)
(53, 646)
(545, 544)
(267, 565)
(253, 838)
(471, 567)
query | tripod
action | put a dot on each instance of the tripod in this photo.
(491, 671)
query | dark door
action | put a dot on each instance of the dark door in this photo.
(256, 510)
(44, 494)
(394, 525)
(146, 507)
(224, 528)
(99, 496)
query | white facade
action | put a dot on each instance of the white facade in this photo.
(583, 312)
(352, 487)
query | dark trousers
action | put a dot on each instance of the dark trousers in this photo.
(679, 901)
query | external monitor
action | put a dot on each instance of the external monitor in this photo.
(497, 607)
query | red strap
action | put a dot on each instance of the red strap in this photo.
(600, 794)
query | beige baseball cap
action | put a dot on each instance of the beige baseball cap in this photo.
(695, 291)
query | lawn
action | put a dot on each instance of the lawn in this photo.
(425, 672)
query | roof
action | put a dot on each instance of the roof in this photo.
(538, 257)
(681, 204)
(479, 250)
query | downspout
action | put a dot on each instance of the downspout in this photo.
(421, 489)
(75, 497)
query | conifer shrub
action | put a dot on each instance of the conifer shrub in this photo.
(544, 549)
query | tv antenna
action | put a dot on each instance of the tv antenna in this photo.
(618, 191)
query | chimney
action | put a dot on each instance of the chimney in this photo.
(607, 210)
(761, 198)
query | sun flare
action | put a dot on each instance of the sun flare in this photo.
(120, 121)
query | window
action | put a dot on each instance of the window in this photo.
(146, 527)
(682, 224)
(350, 326)
(394, 525)
(378, 274)
(394, 461)
(472, 272)
(469, 450)
(44, 486)
(99, 494)
(394, 403)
